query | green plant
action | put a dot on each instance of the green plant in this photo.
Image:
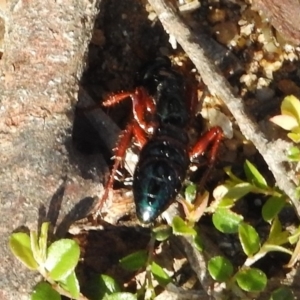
(247, 278)
(289, 120)
(145, 260)
(56, 263)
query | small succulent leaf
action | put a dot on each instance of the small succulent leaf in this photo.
(285, 121)
(239, 191)
(43, 290)
(181, 228)
(234, 179)
(43, 239)
(120, 296)
(296, 130)
(295, 137)
(249, 239)
(251, 279)
(294, 154)
(254, 176)
(220, 191)
(295, 256)
(190, 192)
(35, 248)
(62, 258)
(198, 242)
(71, 285)
(220, 268)
(159, 274)
(272, 207)
(161, 233)
(111, 286)
(20, 246)
(282, 293)
(291, 106)
(275, 248)
(226, 220)
(226, 203)
(281, 239)
(276, 235)
(294, 238)
(134, 261)
(100, 286)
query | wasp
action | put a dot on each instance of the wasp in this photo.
(161, 113)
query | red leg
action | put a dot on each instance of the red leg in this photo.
(116, 98)
(119, 153)
(192, 97)
(214, 137)
(139, 135)
(142, 104)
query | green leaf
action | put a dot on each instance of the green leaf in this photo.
(239, 191)
(43, 291)
(283, 293)
(275, 248)
(294, 154)
(249, 239)
(100, 286)
(291, 106)
(109, 284)
(220, 268)
(62, 258)
(276, 228)
(181, 228)
(43, 239)
(226, 203)
(159, 274)
(294, 238)
(277, 236)
(35, 248)
(272, 207)
(251, 280)
(226, 220)
(233, 178)
(120, 296)
(198, 242)
(190, 192)
(20, 246)
(254, 176)
(294, 136)
(71, 285)
(134, 261)
(161, 233)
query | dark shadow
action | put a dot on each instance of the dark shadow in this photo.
(78, 212)
(124, 40)
(51, 214)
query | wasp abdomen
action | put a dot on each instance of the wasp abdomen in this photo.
(159, 173)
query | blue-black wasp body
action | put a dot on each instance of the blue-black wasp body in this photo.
(161, 112)
(164, 159)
